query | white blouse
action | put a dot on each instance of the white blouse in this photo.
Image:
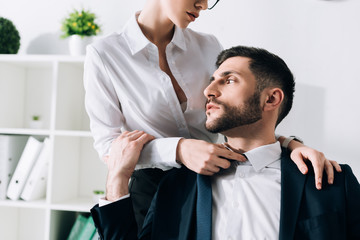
(127, 90)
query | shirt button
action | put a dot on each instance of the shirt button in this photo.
(229, 238)
(241, 175)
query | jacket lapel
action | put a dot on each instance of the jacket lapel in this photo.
(188, 219)
(174, 211)
(292, 186)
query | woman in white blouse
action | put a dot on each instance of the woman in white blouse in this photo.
(150, 77)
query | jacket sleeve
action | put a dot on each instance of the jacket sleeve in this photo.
(115, 220)
(352, 189)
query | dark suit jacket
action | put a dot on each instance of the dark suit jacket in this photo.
(306, 213)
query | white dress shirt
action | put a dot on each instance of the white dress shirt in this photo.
(127, 90)
(246, 197)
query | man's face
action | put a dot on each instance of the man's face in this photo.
(232, 97)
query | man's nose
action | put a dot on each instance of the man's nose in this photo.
(211, 91)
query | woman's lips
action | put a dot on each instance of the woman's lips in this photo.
(193, 15)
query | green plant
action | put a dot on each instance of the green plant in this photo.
(9, 37)
(80, 23)
(98, 192)
(36, 118)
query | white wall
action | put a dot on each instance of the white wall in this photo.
(319, 39)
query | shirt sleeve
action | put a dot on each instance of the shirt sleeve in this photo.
(159, 153)
(101, 103)
(107, 120)
(104, 202)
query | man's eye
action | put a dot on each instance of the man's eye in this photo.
(228, 81)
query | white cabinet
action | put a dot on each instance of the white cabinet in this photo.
(51, 87)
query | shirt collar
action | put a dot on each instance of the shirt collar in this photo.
(264, 156)
(137, 41)
(179, 38)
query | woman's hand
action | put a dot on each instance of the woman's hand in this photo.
(300, 153)
(203, 157)
(124, 155)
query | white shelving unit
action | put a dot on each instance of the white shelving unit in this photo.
(52, 87)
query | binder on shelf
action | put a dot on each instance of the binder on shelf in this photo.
(11, 148)
(23, 169)
(88, 230)
(35, 186)
(96, 236)
(76, 229)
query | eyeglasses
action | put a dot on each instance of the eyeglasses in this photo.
(212, 3)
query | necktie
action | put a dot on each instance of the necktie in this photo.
(203, 208)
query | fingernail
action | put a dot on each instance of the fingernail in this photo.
(318, 184)
(303, 170)
(331, 181)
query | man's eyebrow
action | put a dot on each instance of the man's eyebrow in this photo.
(224, 74)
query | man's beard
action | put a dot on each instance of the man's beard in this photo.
(238, 116)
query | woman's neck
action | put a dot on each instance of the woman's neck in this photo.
(156, 26)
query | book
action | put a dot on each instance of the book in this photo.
(11, 148)
(23, 168)
(96, 236)
(88, 230)
(77, 227)
(35, 186)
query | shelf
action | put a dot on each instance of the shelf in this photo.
(75, 158)
(22, 223)
(75, 205)
(40, 132)
(25, 131)
(25, 91)
(41, 204)
(50, 86)
(72, 133)
(70, 111)
(18, 58)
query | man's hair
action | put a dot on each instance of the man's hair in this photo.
(269, 71)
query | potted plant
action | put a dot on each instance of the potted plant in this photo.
(80, 27)
(35, 122)
(9, 37)
(97, 194)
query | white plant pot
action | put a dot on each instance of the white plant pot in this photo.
(35, 124)
(96, 197)
(77, 44)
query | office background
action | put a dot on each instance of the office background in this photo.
(319, 39)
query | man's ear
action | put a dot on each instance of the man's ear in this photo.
(274, 98)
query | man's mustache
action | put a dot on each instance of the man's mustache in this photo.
(215, 101)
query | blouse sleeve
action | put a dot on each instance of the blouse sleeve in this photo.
(101, 103)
